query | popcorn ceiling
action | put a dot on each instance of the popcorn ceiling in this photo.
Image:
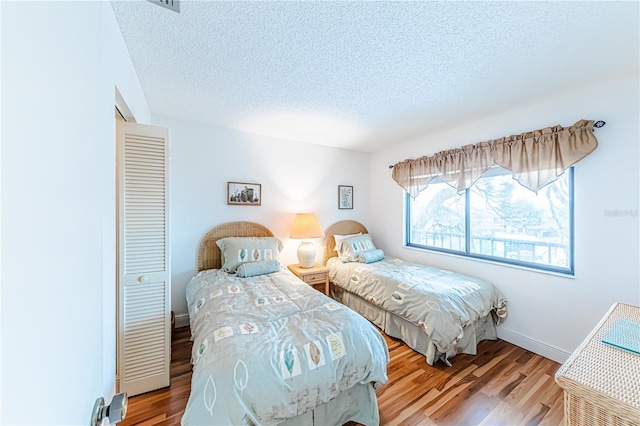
(364, 75)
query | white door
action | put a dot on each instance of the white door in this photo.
(144, 318)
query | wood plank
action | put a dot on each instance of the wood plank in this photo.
(412, 408)
(555, 416)
(472, 412)
(503, 414)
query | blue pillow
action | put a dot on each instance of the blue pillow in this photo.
(371, 256)
(252, 269)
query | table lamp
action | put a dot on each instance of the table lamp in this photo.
(306, 226)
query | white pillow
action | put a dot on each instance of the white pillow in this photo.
(339, 238)
(349, 249)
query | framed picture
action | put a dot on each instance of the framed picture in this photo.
(345, 197)
(244, 194)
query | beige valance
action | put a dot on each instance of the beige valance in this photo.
(535, 159)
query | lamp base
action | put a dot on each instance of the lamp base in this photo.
(306, 254)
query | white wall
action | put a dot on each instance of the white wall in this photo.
(548, 314)
(60, 66)
(296, 177)
(119, 75)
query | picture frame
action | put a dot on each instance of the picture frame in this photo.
(345, 197)
(244, 194)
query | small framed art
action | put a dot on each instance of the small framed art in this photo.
(345, 197)
(244, 194)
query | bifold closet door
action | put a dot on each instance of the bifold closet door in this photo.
(144, 306)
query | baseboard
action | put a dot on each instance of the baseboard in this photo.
(182, 320)
(547, 351)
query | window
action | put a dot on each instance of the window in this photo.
(497, 219)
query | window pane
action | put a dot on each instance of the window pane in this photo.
(511, 222)
(437, 218)
(504, 221)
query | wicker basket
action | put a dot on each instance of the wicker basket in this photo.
(602, 383)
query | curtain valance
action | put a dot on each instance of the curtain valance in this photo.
(535, 159)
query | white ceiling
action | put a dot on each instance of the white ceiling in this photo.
(363, 75)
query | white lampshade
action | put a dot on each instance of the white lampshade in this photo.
(306, 226)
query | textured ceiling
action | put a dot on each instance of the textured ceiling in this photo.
(363, 75)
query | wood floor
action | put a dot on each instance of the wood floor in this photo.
(502, 385)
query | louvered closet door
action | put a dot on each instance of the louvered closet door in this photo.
(144, 323)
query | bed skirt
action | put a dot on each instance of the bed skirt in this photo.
(358, 404)
(411, 334)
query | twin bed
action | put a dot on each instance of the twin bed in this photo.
(437, 313)
(269, 349)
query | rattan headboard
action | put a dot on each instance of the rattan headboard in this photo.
(209, 256)
(343, 227)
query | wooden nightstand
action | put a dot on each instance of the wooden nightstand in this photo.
(317, 276)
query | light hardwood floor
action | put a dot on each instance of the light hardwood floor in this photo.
(502, 385)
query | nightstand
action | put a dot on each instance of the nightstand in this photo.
(317, 276)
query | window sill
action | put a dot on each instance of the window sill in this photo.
(570, 275)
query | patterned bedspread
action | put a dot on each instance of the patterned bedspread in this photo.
(440, 302)
(269, 348)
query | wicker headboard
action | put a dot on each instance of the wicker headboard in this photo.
(343, 227)
(209, 256)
